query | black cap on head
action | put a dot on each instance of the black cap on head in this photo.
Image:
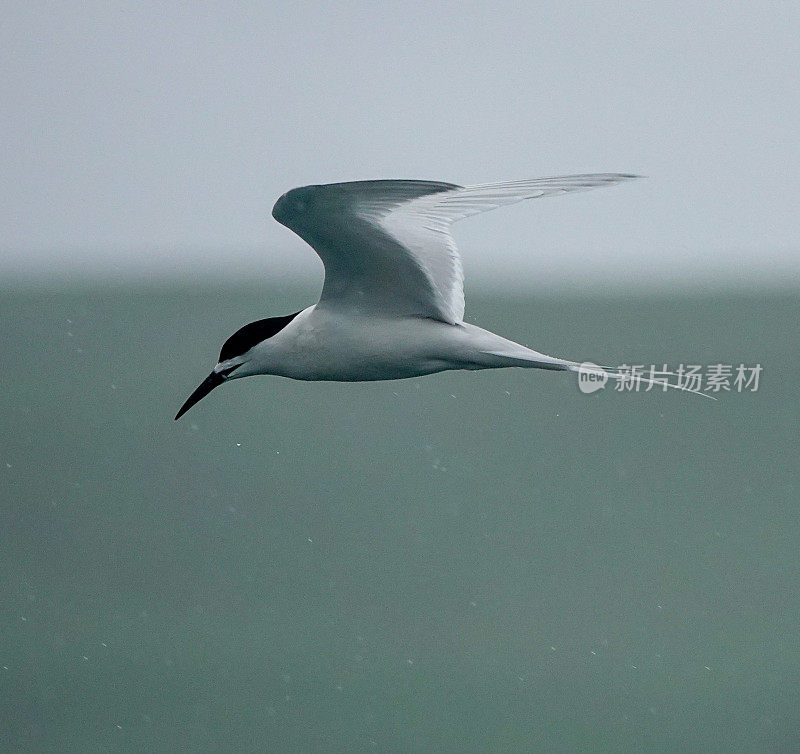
(250, 335)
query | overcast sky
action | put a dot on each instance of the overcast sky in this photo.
(155, 137)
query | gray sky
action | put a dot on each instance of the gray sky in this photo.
(155, 137)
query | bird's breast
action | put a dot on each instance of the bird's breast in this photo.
(343, 348)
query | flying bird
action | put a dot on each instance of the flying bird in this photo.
(392, 305)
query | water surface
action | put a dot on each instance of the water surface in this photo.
(461, 562)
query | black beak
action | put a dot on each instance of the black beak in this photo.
(215, 379)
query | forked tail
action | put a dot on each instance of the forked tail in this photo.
(520, 356)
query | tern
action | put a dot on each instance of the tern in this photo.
(392, 304)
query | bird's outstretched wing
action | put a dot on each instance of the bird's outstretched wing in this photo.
(386, 245)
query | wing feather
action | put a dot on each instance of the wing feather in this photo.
(386, 245)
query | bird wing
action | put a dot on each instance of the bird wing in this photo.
(386, 245)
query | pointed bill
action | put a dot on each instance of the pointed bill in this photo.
(215, 379)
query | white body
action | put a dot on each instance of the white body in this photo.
(322, 343)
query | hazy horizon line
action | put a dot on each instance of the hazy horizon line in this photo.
(513, 281)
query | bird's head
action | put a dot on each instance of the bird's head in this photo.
(236, 356)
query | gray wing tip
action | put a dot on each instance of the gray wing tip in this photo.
(614, 177)
(605, 177)
(600, 179)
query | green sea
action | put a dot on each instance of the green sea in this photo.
(465, 562)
